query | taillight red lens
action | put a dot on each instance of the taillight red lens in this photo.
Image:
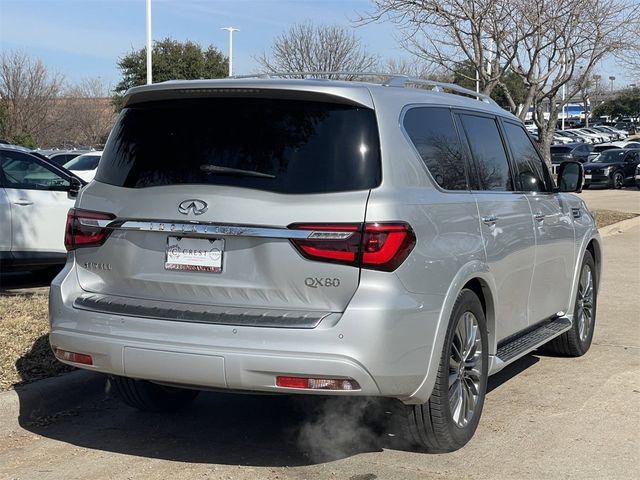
(317, 383)
(339, 243)
(378, 246)
(386, 246)
(73, 356)
(86, 228)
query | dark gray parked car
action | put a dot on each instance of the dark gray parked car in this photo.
(570, 151)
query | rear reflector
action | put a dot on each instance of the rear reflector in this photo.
(86, 228)
(317, 383)
(377, 246)
(73, 357)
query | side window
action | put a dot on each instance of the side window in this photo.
(434, 135)
(529, 168)
(488, 152)
(26, 172)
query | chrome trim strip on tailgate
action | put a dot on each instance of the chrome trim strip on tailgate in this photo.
(186, 312)
(216, 230)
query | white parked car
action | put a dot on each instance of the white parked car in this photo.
(84, 166)
(35, 197)
(627, 144)
(589, 137)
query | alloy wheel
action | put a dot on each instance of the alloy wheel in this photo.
(465, 369)
(618, 180)
(585, 303)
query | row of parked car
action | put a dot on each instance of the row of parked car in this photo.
(592, 135)
(37, 189)
(612, 165)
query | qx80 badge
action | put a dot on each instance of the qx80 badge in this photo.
(195, 206)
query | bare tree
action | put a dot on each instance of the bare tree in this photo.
(544, 42)
(318, 48)
(85, 113)
(449, 33)
(27, 90)
(568, 39)
(416, 67)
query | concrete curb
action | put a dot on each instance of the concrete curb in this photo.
(619, 227)
(48, 396)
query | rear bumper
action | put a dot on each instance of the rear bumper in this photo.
(383, 340)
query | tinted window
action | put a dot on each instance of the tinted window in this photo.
(529, 173)
(434, 135)
(285, 146)
(610, 156)
(487, 150)
(83, 162)
(26, 172)
(555, 149)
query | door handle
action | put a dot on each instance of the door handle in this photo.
(490, 220)
(539, 217)
(23, 203)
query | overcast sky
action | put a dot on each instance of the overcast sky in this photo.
(84, 38)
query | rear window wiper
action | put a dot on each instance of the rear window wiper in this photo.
(233, 171)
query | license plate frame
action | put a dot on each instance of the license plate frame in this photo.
(194, 254)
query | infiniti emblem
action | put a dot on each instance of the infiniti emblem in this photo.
(197, 207)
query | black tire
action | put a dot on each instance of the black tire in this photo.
(431, 426)
(585, 187)
(576, 342)
(617, 181)
(151, 397)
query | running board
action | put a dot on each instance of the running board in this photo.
(529, 341)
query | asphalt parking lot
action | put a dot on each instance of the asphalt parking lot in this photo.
(623, 200)
(545, 418)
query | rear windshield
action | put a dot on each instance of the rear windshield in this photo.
(561, 149)
(83, 162)
(284, 146)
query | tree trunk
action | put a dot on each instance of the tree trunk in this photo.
(546, 129)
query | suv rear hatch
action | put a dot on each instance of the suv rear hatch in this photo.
(205, 194)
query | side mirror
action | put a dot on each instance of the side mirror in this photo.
(570, 177)
(74, 187)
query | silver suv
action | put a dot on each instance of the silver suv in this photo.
(323, 237)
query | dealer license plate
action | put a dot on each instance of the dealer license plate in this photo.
(194, 254)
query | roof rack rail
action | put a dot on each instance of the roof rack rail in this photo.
(316, 75)
(391, 80)
(404, 80)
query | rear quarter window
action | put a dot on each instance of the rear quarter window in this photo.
(434, 135)
(283, 146)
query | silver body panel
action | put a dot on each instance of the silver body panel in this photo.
(383, 329)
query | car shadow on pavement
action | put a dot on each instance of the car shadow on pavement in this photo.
(14, 282)
(231, 429)
(218, 428)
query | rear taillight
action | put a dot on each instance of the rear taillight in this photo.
(378, 246)
(318, 383)
(86, 228)
(73, 356)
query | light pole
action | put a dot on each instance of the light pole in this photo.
(612, 78)
(149, 46)
(230, 30)
(563, 62)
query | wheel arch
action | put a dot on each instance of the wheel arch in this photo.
(477, 277)
(595, 248)
(481, 288)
